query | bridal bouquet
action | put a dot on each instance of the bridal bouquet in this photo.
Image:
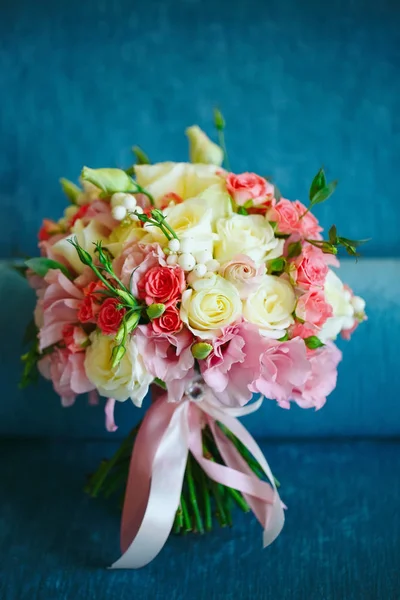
(213, 289)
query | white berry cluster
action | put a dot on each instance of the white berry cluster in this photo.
(199, 263)
(122, 204)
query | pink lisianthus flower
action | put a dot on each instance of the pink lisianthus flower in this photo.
(311, 267)
(59, 305)
(234, 364)
(291, 218)
(249, 186)
(283, 367)
(135, 261)
(321, 380)
(75, 338)
(168, 357)
(245, 275)
(313, 308)
(99, 211)
(67, 373)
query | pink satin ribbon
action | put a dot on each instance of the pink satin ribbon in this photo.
(157, 470)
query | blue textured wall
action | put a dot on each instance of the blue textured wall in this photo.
(300, 83)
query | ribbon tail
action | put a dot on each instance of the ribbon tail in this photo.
(161, 479)
(275, 517)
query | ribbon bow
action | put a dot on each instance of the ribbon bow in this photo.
(168, 432)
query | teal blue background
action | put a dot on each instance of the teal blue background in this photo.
(301, 84)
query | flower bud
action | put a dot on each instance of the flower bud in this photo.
(71, 190)
(133, 321)
(127, 297)
(155, 310)
(202, 149)
(201, 350)
(108, 180)
(117, 355)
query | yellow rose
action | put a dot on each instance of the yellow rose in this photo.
(271, 306)
(246, 234)
(86, 236)
(191, 221)
(212, 304)
(202, 149)
(185, 179)
(123, 234)
(128, 380)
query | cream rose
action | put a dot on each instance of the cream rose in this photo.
(212, 304)
(271, 306)
(340, 299)
(86, 236)
(251, 234)
(185, 179)
(191, 221)
(128, 380)
(243, 273)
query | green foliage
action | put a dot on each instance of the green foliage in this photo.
(71, 190)
(41, 265)
(313, 342)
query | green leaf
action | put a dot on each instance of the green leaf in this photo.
(294, 249)
(219, 120)
(141, 156)
(20, 269)
(333, 235)
(355, 243)
(324, 193)
(42, 265)
(30, 371)
(317, 184)
(313, 342)
(242, 211)
(109, 180)
(160, 383)
(71, 190)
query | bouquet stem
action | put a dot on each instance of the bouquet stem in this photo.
(202, 500)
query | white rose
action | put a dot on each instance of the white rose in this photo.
(218, 200)
(271, 306)
(128, 380)
(86, 236)
(185, 179)
(212, 304)
(191, 221)
(343, 310)
(246, 234)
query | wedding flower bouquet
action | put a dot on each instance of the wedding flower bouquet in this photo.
(213, 288)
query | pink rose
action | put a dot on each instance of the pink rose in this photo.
(168, 357)
(243, 273)
(249, 186)
(321, 380)
(162, 285)
(284, 367)
(313, 308)
(67, 372)
(301, 330)
(234, 363)
(292, 219)
(110, 316)
(169, 322)
(311, 267)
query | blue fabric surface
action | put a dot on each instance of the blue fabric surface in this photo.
(364, 403)
(340, 541)
(301, 84)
